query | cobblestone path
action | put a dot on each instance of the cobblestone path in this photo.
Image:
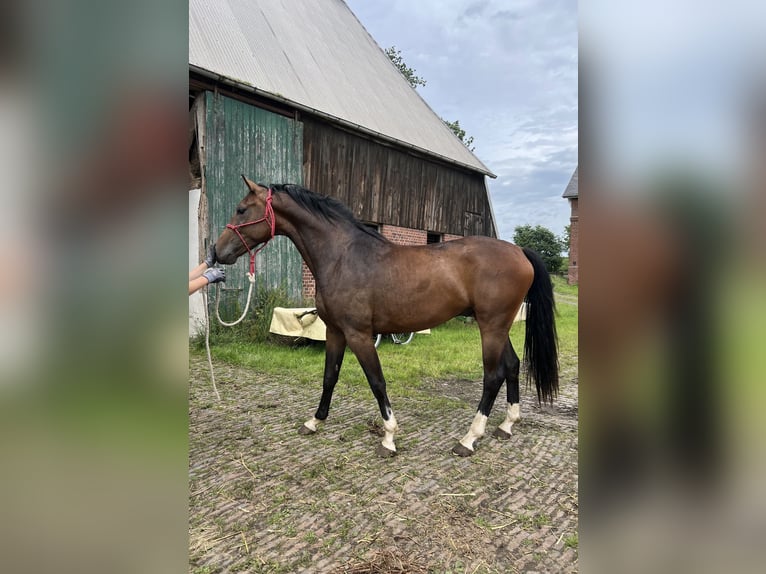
(265, 499)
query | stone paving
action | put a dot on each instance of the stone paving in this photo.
(265, 499)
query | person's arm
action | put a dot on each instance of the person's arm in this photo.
(206, 264)
(197, 284)
(213, 275)
(197, 272)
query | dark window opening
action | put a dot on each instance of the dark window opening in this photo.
(433, 238)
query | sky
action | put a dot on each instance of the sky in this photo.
(680, 98)
(507, 71)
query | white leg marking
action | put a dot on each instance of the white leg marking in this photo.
(475, 432)
(512, 416)
(312, 424)
(391, 427)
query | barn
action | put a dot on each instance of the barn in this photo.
(299, 92)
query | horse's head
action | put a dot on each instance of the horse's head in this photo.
(251, 225)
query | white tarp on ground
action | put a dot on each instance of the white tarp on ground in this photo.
(522, 314)
(302, 322)
(298, 322)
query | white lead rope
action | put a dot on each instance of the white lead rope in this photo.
(251, 278)
(207, 344)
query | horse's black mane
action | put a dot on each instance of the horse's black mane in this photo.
(326, 207)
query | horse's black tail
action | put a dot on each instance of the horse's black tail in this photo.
(541, 344)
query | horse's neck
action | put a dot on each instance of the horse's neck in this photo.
(320, 243)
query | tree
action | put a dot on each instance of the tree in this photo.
(460, 133)
(565, 239)
(543, 241)
(409, 74)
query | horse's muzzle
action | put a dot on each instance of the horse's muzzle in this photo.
(228, 252)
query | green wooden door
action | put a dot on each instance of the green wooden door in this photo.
(267, 148)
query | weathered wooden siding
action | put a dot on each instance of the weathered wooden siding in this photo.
(266, 147)
(384, 185)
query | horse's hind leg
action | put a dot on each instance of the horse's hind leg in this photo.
(512, 414)
(335, 348)
(492, 344)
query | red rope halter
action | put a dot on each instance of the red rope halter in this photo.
(269, 218)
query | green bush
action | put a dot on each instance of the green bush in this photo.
(255, 326)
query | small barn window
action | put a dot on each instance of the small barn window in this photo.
(434, 237)
(373, 226)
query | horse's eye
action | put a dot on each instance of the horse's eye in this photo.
(241, 210)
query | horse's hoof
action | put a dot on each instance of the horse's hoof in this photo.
(384, 452)
(501, 434)
(461, 450)
(304, 430)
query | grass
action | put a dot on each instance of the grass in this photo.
(561, 286)
(451, 351)
(571, 541)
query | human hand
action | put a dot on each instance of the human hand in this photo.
(210, 259)
(214, 275)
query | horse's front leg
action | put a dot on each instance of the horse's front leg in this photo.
(335, 348)
(363, 347)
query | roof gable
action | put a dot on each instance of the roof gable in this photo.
(571, 190)
(318, 56)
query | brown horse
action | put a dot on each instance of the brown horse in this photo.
(366, 284)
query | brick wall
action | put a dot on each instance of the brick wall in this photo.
(309, 285)
(404, 235)
(448, 237)
(574, 236)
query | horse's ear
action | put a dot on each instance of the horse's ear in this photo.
(250, 185)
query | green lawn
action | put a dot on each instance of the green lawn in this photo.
(451, 351)
(561, 286)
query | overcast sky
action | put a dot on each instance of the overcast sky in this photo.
(507, 70)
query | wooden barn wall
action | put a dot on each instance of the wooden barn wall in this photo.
(266, 147)
(384, 185)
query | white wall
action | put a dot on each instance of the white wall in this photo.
(196, 305)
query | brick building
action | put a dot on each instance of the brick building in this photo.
(571, 194)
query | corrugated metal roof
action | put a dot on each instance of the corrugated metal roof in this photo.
(316, 55)
(571, 191)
